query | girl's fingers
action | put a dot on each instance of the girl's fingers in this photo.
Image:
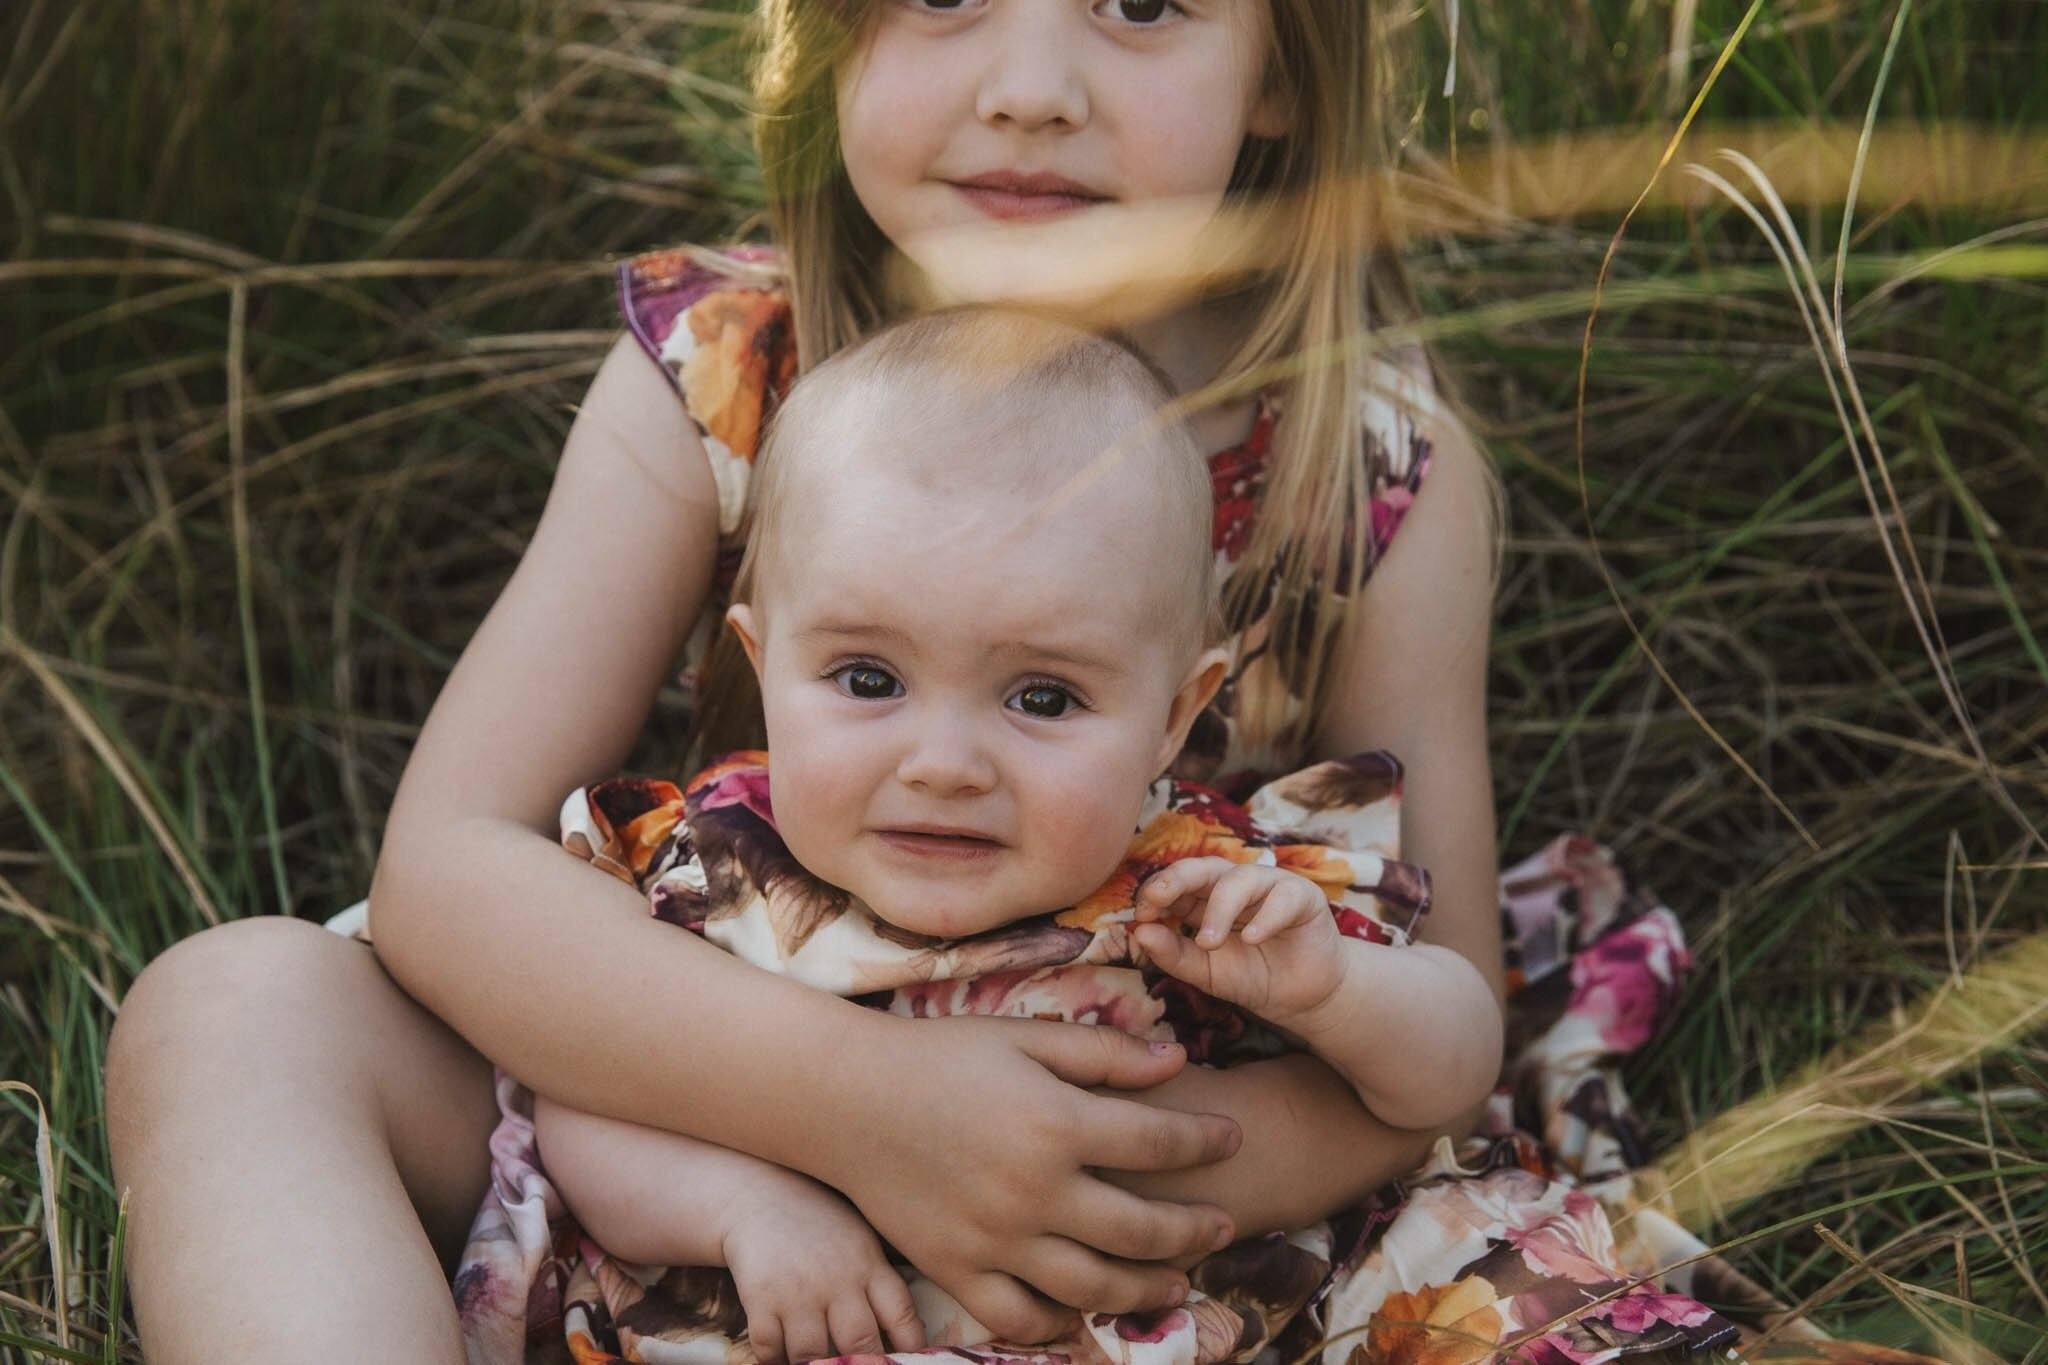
(1010, 1310)
(1071, 1273)
(1126, 1135)
(1119, 1223)
(895, 1313)
(852, 1324)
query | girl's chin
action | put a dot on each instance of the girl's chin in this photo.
(1111, 265)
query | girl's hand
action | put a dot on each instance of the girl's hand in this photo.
(1263, 937)
(975, 1162)
(813, 1278)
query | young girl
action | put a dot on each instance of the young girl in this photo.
(977, 598)
(302, 1142)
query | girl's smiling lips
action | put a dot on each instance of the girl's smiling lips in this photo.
(940, 841)
(1013, 194)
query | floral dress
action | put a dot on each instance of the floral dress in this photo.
(1527, 1242)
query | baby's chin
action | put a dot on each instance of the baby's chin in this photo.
(956, 917)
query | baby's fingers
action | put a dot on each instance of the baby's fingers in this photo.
(1187, 880)
(764, 1334)
(804, 1337)
(1228, 900)
(1296, 901)
(851, 1322)
(895, 1313)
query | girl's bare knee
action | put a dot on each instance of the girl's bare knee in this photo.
(233, 993)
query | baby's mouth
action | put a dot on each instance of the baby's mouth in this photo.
(936, 841)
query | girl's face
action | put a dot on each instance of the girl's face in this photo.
(1041, 119)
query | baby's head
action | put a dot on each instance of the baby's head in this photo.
(977, 596)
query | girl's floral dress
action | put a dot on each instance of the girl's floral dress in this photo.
(1528, 1242)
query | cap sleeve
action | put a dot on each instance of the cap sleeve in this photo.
(718, 323)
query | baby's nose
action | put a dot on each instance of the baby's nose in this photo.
(947, 760)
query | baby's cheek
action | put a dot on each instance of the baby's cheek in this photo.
(1084, 823)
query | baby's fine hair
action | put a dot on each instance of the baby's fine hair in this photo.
(995, 371)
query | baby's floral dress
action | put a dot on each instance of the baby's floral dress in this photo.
(1530, 1242)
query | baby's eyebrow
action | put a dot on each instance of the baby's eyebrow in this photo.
(1105, 665)
(853, 630)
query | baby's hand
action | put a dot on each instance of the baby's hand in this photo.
(1282, 965)
(814, 1281)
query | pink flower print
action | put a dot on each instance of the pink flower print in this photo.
(1551, 1350)
(1643, 1308)
(1571, 1243)
(740, 780)
(1626, 981)
(1145, 1326)
(1389, 508)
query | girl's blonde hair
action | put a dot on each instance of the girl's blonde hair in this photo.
(1320, 194)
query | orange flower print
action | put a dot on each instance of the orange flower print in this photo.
(633, 817)
(1454, 1324)
(740, 363)
(1320, 864)
(1171, 836)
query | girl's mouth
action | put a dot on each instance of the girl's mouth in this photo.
(1010, 195)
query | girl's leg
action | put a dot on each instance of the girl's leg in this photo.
(303, 1148)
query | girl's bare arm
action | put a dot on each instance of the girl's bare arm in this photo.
(558, 973)
(1415, 685)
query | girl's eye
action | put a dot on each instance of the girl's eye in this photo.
(1047, 701)
(1142, 11)
(867, 682)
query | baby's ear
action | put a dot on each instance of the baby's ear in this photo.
(740, 617)
(1196, 690)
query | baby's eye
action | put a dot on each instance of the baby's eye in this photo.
(1047, 701)
(867, 682)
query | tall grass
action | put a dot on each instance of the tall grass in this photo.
(296, 301)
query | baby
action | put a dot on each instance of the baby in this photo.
(977, 596)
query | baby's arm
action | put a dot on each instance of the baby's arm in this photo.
(1412, 682)
(1415, 1030)
(811, 1274)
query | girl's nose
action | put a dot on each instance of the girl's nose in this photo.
(1033, 80)
(945, 760)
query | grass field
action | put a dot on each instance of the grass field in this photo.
(227, 603)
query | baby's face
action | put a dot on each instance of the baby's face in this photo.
(964, 708)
